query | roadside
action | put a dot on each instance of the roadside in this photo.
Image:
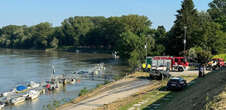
(196, 96)
(218, 103)
(144, 98)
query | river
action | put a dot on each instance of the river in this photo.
(21, 66)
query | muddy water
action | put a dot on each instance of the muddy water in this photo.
(20, 66)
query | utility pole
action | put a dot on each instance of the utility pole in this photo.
(146, 52)
(185, 32)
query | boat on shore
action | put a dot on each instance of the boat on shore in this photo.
(2, 105)
(6, 94)
(33, 94)
(17, 100)
(34, 85)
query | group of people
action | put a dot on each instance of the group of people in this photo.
(146, 67)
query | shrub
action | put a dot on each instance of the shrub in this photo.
(83, 91)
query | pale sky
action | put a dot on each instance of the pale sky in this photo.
(31, 12)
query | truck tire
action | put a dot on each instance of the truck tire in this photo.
(180, 69)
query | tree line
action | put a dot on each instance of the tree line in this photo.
(128, 34)
(121, 34)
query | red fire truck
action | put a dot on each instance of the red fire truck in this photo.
(215, 64)
(170, 63)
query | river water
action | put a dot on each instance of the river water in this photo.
(20, 66)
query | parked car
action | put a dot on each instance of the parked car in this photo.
(83, 72)
(176, 83)
(159, 74)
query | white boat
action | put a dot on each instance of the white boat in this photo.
(72, 81)
(34, 84)
(17, 100)
(2, 105)
(33, 94)
(6, 94)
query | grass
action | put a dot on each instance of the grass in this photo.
(218, 103)
(84, 91)
(152, 98)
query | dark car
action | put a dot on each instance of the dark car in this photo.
(159, 74)
(83, 72)
(176, 83)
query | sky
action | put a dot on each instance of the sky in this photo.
(32, 12)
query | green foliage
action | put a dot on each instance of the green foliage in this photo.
(84, 91)
(205, 30)
(186, 17)
(220, 56)
(201, 56)
(52, 106)
(75, 29)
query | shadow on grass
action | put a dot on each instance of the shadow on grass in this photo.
(195, 96)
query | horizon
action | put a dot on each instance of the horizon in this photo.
(34, 12)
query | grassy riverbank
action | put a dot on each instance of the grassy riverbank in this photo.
(145, 98)
(206, 93)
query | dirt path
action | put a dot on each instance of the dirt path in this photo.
(121, 89)
(187, 73)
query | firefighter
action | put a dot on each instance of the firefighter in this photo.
(149, 67)
(144, 67)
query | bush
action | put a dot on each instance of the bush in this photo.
(84, 91)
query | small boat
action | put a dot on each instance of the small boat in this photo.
(72, 81)
(6, 94)
(34, 84)
(17, 100)
(33, 94)
(2, 105)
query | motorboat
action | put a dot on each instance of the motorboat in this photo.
(6, 94)
(34, 84)
(32, 94)
(2, 105)
(17, 100)
(72, 81)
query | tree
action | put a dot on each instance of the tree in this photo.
(160, 41)
(187, 16)
(136, 24)
(217, 9)
(75, 30)
(40, 35)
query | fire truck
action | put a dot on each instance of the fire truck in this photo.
(168, 63)
(215, 64)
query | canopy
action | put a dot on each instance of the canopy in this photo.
(21, 88)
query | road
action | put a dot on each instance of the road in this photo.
(120, 89)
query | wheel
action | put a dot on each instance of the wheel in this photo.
(180, 69)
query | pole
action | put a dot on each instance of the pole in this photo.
(185, 29)
(146, 53)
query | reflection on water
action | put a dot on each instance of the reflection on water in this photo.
(20, 66)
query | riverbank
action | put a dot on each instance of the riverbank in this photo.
(116, 96)
(111, 92)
